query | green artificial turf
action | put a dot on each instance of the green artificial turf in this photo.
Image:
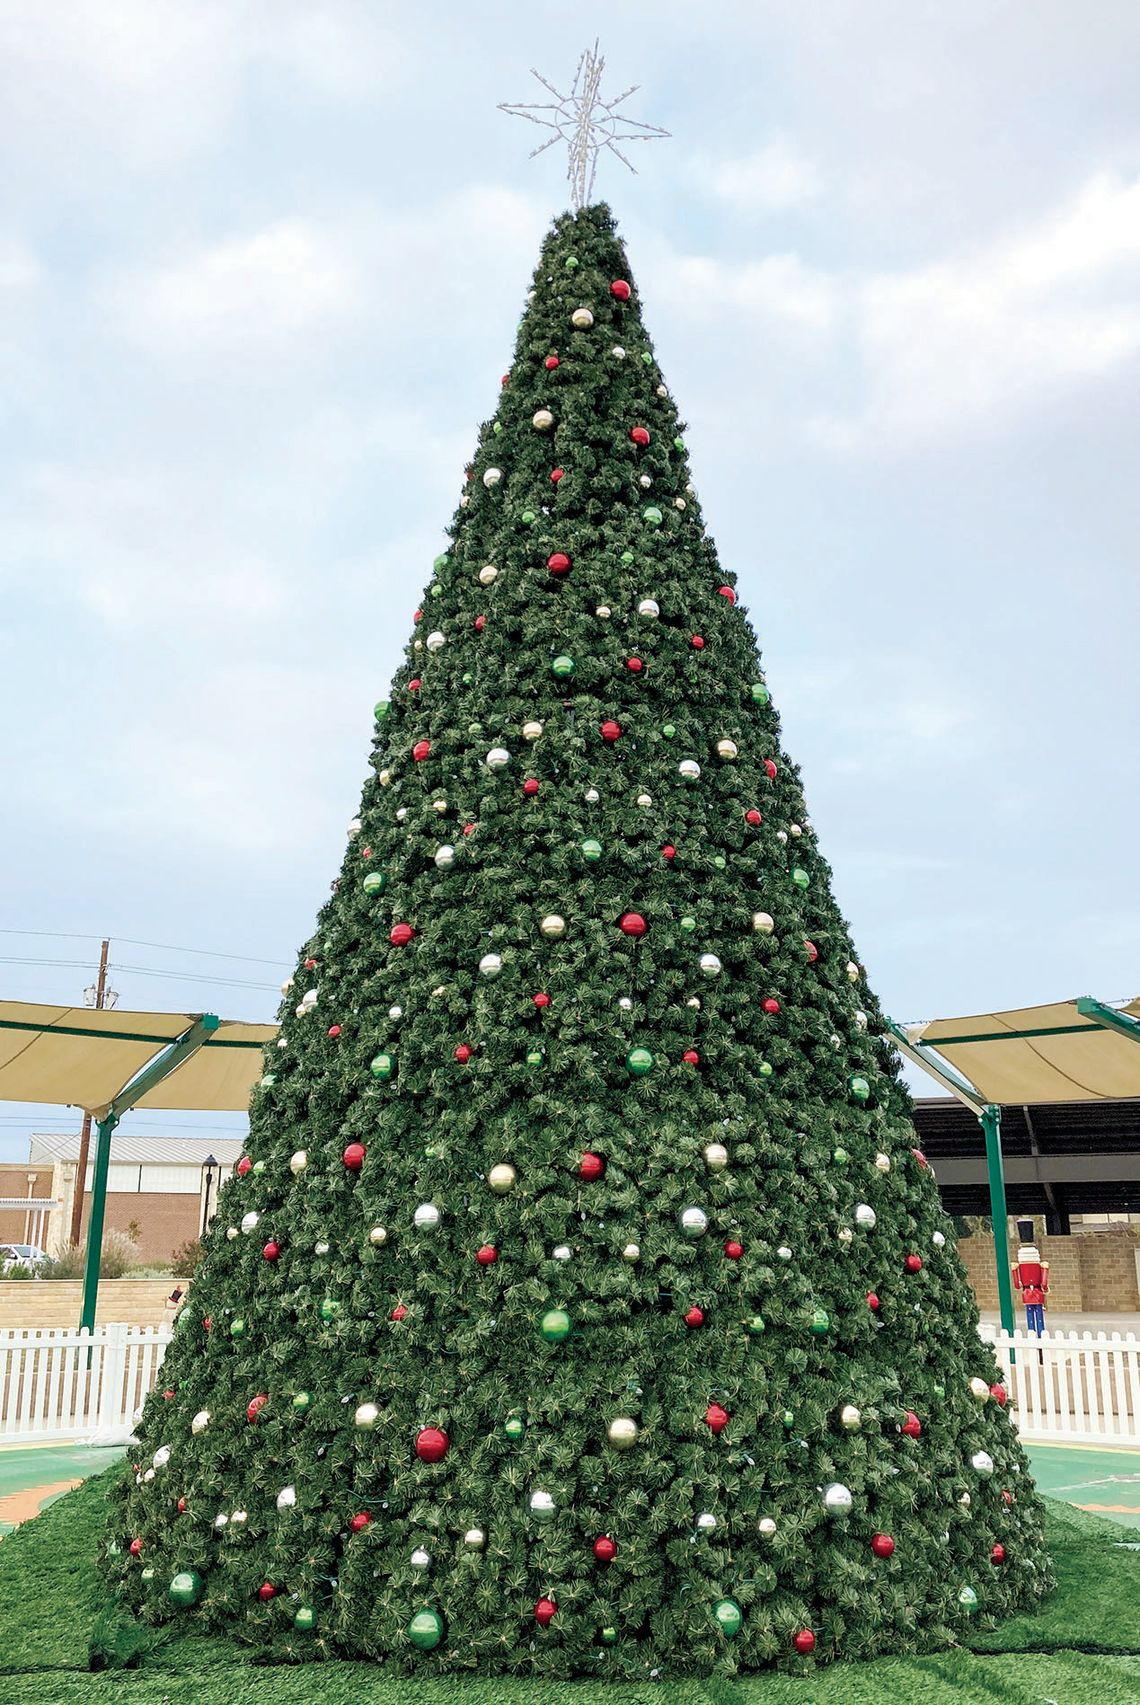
(1084, 1647)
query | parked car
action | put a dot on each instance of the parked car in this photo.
(24, 1255)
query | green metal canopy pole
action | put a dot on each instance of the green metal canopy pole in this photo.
(1108, 1018)
(158, 1069)
(990, 1116)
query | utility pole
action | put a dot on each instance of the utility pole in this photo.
(85, 1129)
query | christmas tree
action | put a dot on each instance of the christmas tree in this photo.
(583, 1304)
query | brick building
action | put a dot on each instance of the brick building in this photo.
(156, 1188)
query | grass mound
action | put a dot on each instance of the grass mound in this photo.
(63, 1645)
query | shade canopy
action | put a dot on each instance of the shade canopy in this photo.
(76, 1057)
(1038, 1054)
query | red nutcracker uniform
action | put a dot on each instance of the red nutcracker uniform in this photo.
(1031, 1276)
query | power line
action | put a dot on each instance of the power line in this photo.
(129, 941)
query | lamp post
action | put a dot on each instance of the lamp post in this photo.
(209, 1167)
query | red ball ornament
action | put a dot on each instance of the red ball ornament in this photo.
(353, 1156)
(632, 923)
(400, 934)
(360, 1521)
(997, 1555)
(206, 1323)
(545, 1611)
(717, 1417)
(530, 787)
(733, 1249)
(310, 964)
(999, 1394)
(604, 1549)
(804, 1642)
(487, 1255)
(558, 562)
(468, 828)
(243, 1166)
(634, 665)
(697, 642)
(919, 1156)
(611, 730)
(255, 1406)
(550, 363)
(334, 1031)
(727, 593)
(398, 1313)
(266, 1591)
(640, 435)
(620, 289)
(690, 1057)
(668, 853)
(417, 615)
(541, 999)
(463, 1053)
(272, 1250)
(694, 1316)
(420, 750)
(769, 769)
(480, 623)
(182, 1506)
(505, 380)
(167, 1395)
(135, 1547)
(1008, 1496)
(556, 474)
(771, 1005)
(812, 952)
(753, 817)
(414, 685)
(591, 1166)
(873, 1302)
(912, 1426)
(883, 1545)
(913, 1264)
(431, 1444)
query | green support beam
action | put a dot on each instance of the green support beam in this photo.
(921, 1055)
(1108, 1018)
(158, 1069)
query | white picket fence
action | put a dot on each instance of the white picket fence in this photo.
(1071, 1387)
(63, 1383)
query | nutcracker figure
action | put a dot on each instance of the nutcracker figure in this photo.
(1031, 1276)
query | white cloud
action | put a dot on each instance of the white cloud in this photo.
(291, 277)
(773, 179)
(778, 287)
(19, 268)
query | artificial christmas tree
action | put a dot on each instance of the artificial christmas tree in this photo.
(584, 1305)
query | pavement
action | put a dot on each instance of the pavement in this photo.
(1104, 1481)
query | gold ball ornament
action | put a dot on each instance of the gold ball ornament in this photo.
(542, 420)
(501, 1178)
(622, 1432)
(763, 923)
(552, 926)
(582, 319)
(716, 1157)
(980, 1390)
(727, 749)
(488, 574)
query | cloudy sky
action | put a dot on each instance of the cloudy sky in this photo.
(260, 267)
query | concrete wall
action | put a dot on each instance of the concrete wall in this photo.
(1089, 1273)
(56, 1302)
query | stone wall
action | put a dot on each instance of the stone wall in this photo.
(1089, 1273)
(56, 1302)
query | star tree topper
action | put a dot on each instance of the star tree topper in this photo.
(585, 122)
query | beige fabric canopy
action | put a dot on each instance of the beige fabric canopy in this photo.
(76, 1057)
(1038, 1053)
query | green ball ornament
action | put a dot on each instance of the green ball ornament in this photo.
(439, 564)
(688, 925)
(435, 591)
(147, 1575)
(528, 517)
(720, 863)
(185, 1587)
(788, 1420)
(939, 1390)
(860, 1089)
(760, 693)
(647, 357)
(514, 1427)
(678, 443)
(756, 1326)
(627, 557)
(639, 1061)
(729, 1617)
(381, 708)
(608, 1636)
(555, 1325)
(563, 667)
(535, 1057)
(653, 515)
(305, 1618)
(592, 851)
(570, 262)
(258, 1168)
(302, 1401)
(425, 1630)
(669, 731)
(765, 1069)
(330, 1308)
(840, 1157)
(968, 1599)
(382, 1066)
(820, 1322)
(467, 678)
(497, 428)
(237, 1328)
(474, 728)
(374, 882)
(801, 878)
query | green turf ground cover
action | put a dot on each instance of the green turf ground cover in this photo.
(1083, 1649)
